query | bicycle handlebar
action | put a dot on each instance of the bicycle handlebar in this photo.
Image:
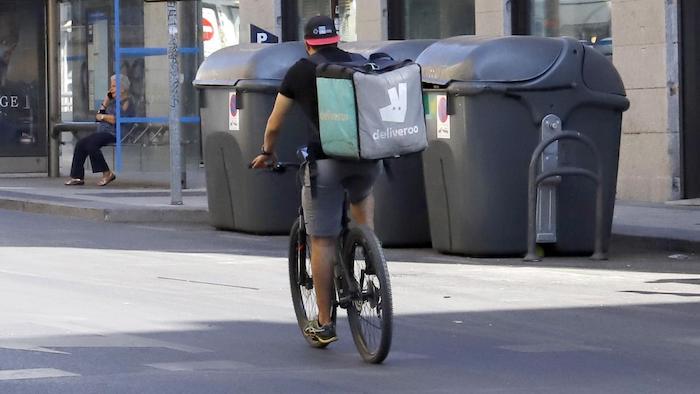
(281, 166)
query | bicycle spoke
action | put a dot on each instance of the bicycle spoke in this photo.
(309, 296)
(378, 327)
(368, 307)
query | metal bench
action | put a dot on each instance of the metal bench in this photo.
(138, 133)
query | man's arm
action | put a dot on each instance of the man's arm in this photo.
(283, 105)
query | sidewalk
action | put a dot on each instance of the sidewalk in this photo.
(131, 198)
(673, 227)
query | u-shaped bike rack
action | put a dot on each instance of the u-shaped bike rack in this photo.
(535, 180)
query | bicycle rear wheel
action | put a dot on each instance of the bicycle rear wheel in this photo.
(370, 313)
(301, 281)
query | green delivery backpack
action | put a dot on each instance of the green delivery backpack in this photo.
(370, 109)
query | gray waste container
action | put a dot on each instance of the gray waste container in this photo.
(401, 212)
(238, 86)
(487, 101)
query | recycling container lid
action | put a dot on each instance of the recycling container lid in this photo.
(228, 66)
(502, 60)
(397, 49)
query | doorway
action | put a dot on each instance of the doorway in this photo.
(690, 99)
(23, 106)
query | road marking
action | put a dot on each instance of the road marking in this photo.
(30, 348)
(405, 356)
(214, 365)
(695, 341)
(208, 283)
(100, 341)
(553, 348)
(36, 373)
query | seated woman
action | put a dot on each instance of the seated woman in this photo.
(105, 135)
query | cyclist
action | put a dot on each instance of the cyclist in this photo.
(326, 180)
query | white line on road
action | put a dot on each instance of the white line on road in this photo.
(214, 365)
(36, 373)
(554, 348)
(29, 348)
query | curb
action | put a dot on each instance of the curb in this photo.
(654, 243)
(174, 214)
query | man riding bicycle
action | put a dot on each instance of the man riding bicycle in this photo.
(326, 180)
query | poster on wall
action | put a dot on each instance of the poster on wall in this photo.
(22, 58)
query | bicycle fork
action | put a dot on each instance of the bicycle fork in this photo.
(302, 275)
(347, 287)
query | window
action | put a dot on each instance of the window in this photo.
(586, 20)
(297, 12)
(430, 18)
(87, 57)
(22, 79)
(308, 9)
(220, 24)
(346, 17)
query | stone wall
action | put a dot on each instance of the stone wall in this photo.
(646, 55)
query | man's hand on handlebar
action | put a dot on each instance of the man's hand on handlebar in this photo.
(263, 161)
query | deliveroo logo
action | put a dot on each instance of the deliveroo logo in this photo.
(396, 111)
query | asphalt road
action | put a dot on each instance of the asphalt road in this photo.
(89, 307)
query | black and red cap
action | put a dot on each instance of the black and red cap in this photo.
(320, 30)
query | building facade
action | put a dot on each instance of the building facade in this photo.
(652, 43)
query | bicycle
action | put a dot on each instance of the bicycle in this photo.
(361, 284)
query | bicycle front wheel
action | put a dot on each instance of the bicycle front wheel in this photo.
(301, 281)
(370, 313)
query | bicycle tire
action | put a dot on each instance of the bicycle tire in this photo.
(372, 278)
(303, 295)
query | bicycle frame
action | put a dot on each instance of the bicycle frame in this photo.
(302, 275)
(342, 282)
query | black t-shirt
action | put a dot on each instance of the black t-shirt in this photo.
(299, 84)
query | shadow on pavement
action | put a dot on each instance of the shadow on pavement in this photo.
(635, 348)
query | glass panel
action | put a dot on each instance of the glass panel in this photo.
(220, 24)
(310, 8)
(347, 19)
(86, 60)
(438, 18)
(87, 54)
(589, 21)
(22, 79)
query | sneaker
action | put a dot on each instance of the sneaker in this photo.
(322, 334)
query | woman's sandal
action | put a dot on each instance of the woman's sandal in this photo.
(106, 181)
(74, 182)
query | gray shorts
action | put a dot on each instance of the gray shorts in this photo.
(323, 210)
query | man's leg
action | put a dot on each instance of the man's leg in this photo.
(322, 258)
(322, 205)
(363, 211)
